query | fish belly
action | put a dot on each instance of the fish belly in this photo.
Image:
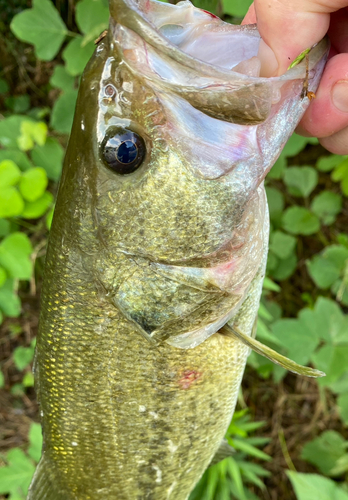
(122, 419)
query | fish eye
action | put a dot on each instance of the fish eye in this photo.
(123, 151)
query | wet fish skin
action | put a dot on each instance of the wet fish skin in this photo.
(138, 258)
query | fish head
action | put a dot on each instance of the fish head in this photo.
(177, 132)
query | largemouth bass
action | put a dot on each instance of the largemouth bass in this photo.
(157, 252)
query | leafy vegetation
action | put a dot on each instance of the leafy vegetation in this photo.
(303, 311)
(228, 478)
(16, 475)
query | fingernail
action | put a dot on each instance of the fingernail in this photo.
(339, 95)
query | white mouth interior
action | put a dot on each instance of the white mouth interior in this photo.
(205, 37)
(224, 49)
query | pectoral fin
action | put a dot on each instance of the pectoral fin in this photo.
(225, 450)
(269, 353)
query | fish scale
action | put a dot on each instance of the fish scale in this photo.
(87, 419)
(153, 275)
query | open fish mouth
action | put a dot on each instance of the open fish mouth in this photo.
(213, 65)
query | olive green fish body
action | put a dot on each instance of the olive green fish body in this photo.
(159, 239)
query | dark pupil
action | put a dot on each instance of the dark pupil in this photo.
(127, 152)
(123, 150)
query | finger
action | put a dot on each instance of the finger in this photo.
(290, 27)
(328, 112)
(338, 30)
(336, 143)
(250, 17)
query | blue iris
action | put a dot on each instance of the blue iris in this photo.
(127, 152)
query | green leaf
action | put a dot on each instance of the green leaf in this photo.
(35, 440)
(9, 300)
(18, 474)
(10, 130)
(344, 185)
(3, 86)
(63, 112)
(278, 169)
(276, 204)
(92, 17)
(49, 218)
(16, 496)
(246, 447)
(299, 58)
(15, 250)
(33, 183)
(22, 357)
(340, 290)
(322, 271)
(28, 379)
(324, 451)
(327, 163)
(50, 157)
(326, 321)
(342, 239)
(39, 113)
(285, 268)
(3, 276)
(301, 180)
(76, 55)
(326, 206)
(342, 402)
(61, 79)
(340, 386)
(18, 104)
(272, 263)
(337, 254)
(283, 245)
(41, 26)
(294, 145)
(17, 390)
(18, 157)
(31, 132)
(5, 227)
(268, 284)
(264, 334)
(341, 171)
(326, 268)
(333, 359)
(315, 487)
(2, 380)
(9, 173)
(11, 202)
(299, 341)
(236, 477)
(237, 8)
(299, 220)
(37, 208)
(264, 313)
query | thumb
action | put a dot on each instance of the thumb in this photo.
(289, 27)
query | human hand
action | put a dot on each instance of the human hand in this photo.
(289, 27)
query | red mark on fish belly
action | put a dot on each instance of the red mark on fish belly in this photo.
(188, 378)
